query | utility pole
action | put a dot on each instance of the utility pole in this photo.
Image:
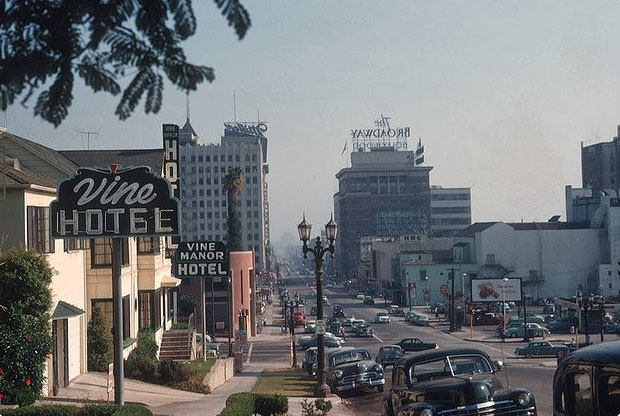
(452, 317)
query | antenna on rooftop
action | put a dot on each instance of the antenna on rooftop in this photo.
(187, 106)
(88, 134)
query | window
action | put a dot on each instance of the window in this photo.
(106, 307)
(39, 236)
(253, 158)
(237, 158)
(579, 396)
(222, 158)
(148, 245)
(149, 308)
(75, 244)
(202, 215)
(609, 395)
(230, 158)
(101, 252)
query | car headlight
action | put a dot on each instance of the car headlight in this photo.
(427, 412)
(378, 368)
(338, 373)
(525, 399)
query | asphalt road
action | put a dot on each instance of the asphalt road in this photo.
(535, 374)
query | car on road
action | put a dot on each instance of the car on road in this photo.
(560, 325)
(368, 300)
(360, 296)
(313, 310)
(309, 364)
(325, 300)
(310, 327)
(389, 355)
(533, 330)
(587, 381)
(488, 318)
(382, 318)
(330, 341)
(353, 369)
(416, 318)
(338, 311)
(348, 321)
(357, 322)
(543, 349)
(458, 381)
(416, 345)
(531, 319)
(364, 330)
(393, 309)
(335, 328)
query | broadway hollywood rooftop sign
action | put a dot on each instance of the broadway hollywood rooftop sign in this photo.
(110, 203)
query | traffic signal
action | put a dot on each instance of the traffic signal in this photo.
(471, 308)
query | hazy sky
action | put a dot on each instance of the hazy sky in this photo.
(501, 92)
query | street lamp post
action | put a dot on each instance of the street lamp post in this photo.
(291, 306)
(601, 304)
(505, 279)
(586, 304)
(331, 230)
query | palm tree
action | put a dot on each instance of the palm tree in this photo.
(233, 182)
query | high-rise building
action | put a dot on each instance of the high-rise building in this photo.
(382, 194)
(600, 165)
(450, 210)
(203, 168)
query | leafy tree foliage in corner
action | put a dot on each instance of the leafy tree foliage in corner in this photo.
(100, 342)
(25, 335)
(233, 182)
(45, 44)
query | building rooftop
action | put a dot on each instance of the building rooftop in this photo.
(50, 155)
(524, 226)
(13, 175)
(154, 158)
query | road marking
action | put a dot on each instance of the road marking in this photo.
(377, 338)
(250, 353)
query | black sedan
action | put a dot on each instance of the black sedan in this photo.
(459, 381)
(353, 369)
(416, 344)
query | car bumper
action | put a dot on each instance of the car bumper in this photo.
(353, 385)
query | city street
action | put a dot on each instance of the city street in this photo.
(535, 374)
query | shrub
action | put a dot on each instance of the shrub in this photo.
(173, 371)
(239, 404)
(147, 347)
(194, 386)
(88, 410)
(179, 325)
(100, 343)
(25, 334)
(140, 367)
(270, 405)
(323, 406)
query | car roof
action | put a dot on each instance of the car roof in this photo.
(606, 353)
(432, 354)
(350, 349)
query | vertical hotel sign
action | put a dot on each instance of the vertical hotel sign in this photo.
(170, 134)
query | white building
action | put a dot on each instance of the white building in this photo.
(203, 168)
(450, 210)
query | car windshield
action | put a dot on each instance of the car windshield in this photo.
(349, 357)
(449, 366)
(382, 314)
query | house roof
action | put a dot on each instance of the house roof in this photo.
(154, 158)
(12, 175)
(50, 155)
(524, 226)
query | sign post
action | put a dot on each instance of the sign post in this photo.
(115, 203)
(110, 379)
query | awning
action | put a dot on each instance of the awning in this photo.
(66, 310)
(169, 281)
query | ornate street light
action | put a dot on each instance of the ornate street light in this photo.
(331, 231)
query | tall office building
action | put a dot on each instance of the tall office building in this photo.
(382, 194)
(450, 210)
(600, 165)
(203, 168)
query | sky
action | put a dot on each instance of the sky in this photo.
(501, 92)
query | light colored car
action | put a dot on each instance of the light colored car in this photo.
(360, 296)
(533, 330)
(382, 318)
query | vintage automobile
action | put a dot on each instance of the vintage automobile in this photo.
(587, 382)
(389, 355)
(488, 318)
(382, 318)
(310, 327)
(364, 330)
(313, 310)
(561, 324)
(416, 344)
(353, 369)
(348, 321)
(419, 319)
(368, 300)
(336, 328)
(356, 322)
(330, 341)
(543, 349)
(338, 311)
(533, 330)
(532, 318)
(458, 381)
(309, 364)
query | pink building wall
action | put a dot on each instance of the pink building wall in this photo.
(243, 284)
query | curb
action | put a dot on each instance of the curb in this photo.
(84, 401)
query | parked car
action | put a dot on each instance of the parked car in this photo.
(353, 369)
(329, 342)
(360, 296)
(310, 327)
(309, 364)
(500, 308)
(335, 328)
(393, 309)
(549, 308)
(364, 330)
(533, 330)
(488, 318)
(443, 382)
(416, 344)
(368, 300)
(532, 318)
(382, 318)
(560, 325)
(543, 349)
(348, 321)
(586, 370)
(313, 310)
(419, 320)
(389, 355)
(338, 311)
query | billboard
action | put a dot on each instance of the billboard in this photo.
(494, 290)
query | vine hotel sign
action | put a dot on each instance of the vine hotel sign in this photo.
(126, 202)
(381, 135)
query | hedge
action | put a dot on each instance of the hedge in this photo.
(88, 410)
(248, 404)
